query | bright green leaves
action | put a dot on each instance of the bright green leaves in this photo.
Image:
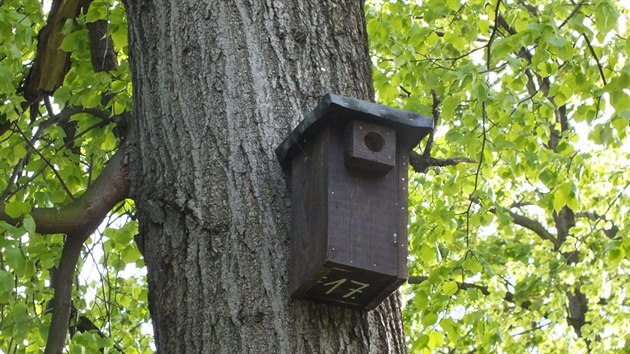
(121, 244)
(6, 79)
(472, 266)
(88, 342)
(98, 10)
(50, 157)
(566, 194)
(606, 16)
(15, 259)
(544, 116)
(75, 41)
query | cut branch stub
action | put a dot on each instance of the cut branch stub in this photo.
(51, 63)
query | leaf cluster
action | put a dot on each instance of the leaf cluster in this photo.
(518, 237)
(54, 142)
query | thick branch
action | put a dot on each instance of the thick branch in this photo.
(63, 294)
(532, 225)
(576, 313)
(564, 220)
(84, 214)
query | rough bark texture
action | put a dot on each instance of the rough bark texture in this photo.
(217, 86)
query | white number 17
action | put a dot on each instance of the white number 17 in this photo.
(335, 284)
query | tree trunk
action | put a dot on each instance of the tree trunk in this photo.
(217, 86)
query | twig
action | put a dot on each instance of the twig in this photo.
(63, 184)
(577, 8)
(599, 65)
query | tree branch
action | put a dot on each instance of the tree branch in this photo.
(577, 8)
(435, 112)
(599, 65)
(532, 225)
(61, 303)
(509, 297)
(78, 220)
(420, 163)
(85, 213)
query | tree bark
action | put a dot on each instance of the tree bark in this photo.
(217, 86)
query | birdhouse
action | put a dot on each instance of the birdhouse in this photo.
(348, 162)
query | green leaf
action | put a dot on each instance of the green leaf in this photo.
(29, 224)
(428, 254)
(7, 282)
(429, 319)
(468, 187)
(548, 177)
(435, 339)
(452, 4)
(449, 327)
(605, 16)
(19, 151)
(449, 288)
(74, 41)
(449, 106)
(16, 259)
(17, 209)
(615, 255)
(472, 266)
(131, 254)
(96, 12)
(559, 201)
(91, 100)
(6, 78)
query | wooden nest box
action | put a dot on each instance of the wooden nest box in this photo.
(348, 162)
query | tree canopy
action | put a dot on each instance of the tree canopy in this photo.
(518, 235)
(519, 239)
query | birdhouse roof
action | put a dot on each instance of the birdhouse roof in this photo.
(411, 127)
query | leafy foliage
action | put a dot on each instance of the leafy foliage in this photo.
(519, 240)
(53, 147)
(518, 235)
